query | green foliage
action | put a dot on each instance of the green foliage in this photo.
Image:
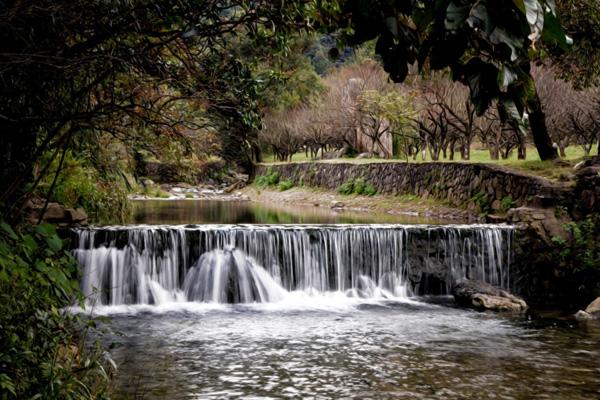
(487, 46)
(42, 353)
(507, 203)
(482, 202)
(346, 188)
(579, 257)
(79, 185)
(270, 178)
(581, 63)
(357, 186)
(286, 185)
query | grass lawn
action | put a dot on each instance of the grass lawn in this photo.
(532, 164)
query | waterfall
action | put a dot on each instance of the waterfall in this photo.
(263, 263)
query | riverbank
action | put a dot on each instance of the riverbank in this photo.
(407, 205)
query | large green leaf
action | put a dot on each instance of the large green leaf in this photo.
(456, 15)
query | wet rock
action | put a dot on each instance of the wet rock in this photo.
(583, 316)
(483, 296)
(594, 307)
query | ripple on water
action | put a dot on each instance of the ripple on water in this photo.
(393, 350)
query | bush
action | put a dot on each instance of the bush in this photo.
(481, 201)
(579, 257)
(271, 178)
(369, 190)
(286, 185)
(42, 353)
(357, 186)
(346, 188)
(103, 198)
(506, 203)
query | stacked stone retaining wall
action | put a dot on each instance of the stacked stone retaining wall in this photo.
(458, 183)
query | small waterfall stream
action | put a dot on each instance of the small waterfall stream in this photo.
(264, 263)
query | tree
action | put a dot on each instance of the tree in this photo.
(581, 63)
(71, 67)
(485, 44)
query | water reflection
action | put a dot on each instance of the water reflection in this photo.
(245, 212)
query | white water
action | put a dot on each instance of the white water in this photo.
(311, 266)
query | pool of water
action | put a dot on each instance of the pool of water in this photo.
(326, 345)
(246, 212)
(344, 349)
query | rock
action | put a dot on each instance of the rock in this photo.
(365, 155)
(496, 205)
(56, 213)
(337, 204)
(594, 308)
(588, 171)
(583, 316)
(78, 215)
(483, 296)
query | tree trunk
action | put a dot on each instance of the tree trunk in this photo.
(539, 130)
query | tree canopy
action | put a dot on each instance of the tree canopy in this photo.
(486, 44)
(69, 68)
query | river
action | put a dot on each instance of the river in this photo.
(213, 300)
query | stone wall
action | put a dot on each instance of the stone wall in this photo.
(459, 183)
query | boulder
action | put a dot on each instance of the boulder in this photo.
(56, 213)
(594, 307)
(591, 312)
(583, 316)
(483, 296)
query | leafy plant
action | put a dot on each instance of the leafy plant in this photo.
(270, 178)
(482, 202)
(346, 188)
(286, 185)
(357, 186)
(78, 185)
(487, 46)
(43, 353)
(579, 257)
(506, 203)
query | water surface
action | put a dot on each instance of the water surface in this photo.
(337, 349)
(326, 345)
(246, 212)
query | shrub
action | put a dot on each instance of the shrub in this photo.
(346, 188)
(103, 198)
(506, 203)
(271, 178)
(369, 190)
(579, 257)
(357, 186)
(286, 185)
(481, 201)
(42, 353)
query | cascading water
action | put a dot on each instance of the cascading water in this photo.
(264, 263)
